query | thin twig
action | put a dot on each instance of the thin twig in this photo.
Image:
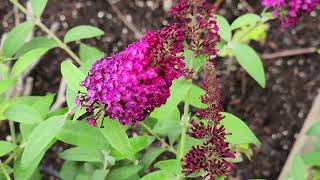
(6, 174)
(61, 98)
(170, 148)
(132, 27)
(247, 6)
(291, 52)
(28, 86)
(218, 3)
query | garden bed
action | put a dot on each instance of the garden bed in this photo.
(275, 113)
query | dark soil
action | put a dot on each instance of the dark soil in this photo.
(275, 113)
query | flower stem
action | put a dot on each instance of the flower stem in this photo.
(170, 148)
(13, 132)
(4, 171)
(44, 28)
(184, 126)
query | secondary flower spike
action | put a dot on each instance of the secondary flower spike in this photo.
(129, 85)
(289, 11)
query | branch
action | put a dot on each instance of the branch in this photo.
(61, 98)
(132, 27)
(287, 53)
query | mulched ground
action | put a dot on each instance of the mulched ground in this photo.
(275, 113)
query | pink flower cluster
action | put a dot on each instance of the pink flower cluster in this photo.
(130, 84)
(289, 11)
(212, 157)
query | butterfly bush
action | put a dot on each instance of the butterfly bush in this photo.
(129, 85)
(289, 11)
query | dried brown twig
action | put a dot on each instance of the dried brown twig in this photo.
(288, 53)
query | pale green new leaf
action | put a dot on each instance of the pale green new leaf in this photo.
(245, 20)
(159, 175)
(16, 38)
(150, 156)
(298, 170)
(250, 62)
(82, 32)
(172, 165)
(40, 138)
(312, 158)
(314, 130)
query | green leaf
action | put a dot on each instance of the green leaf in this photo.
(81, 154)
(150, 156)
(72, 75)
(6, 85)
(168, 120)
(259, 34)
(69, 170)
(7, 168)
(41, 137)
(26, 60)
(23, 113)
(139, 143)
(88, 53)
(25, 130)
(116, 135)
(314, 130)
(16, 38)
(35, 43)
(224, 28)
(241, 133)
(194, 100)
(193, 62)
(298, 170)
(71, 98)
(82, 135)
(318, 51)
(245, 20)
(6, 147)
(23, 173)
(123, 173)
(159, 175)
(312, 158)
(43, 104)
(82, 32)
(172, 165)
(100, 174)
(38, 6)
(251, 62)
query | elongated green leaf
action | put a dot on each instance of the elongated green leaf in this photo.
(150, 156)
(123, 173)
(72, 75)
(172, 165)
(241, 133)
(80, 154)
(314, 130)
(251, 62)
(43, 104)
(41, 137)
(23, 173)
(26, 60)
(88, 53)
(6, 85)
(35, 43)
(82, 135)
(38, 6)
(244, 20)
(25, 130)
(224, 28)
(194, 99)
(16, 38)
(312, 158)
(23, 113)
(100, 174)
(69, 170)
(116, 135)
(6, 147)
(139, 143)
(298, 170)
(159, 175)
(82, 32)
